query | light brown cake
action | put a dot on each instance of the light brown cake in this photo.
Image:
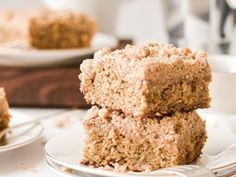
(4, 114)
(147, 79)
(139, 144)
(47, 29)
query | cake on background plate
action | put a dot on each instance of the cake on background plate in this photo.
(137, 144)
(47, 29)
(147, 79)
(4, 114)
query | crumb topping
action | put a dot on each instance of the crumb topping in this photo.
(152, 50)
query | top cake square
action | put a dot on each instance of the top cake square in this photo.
(147, 79)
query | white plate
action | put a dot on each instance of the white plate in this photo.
(21, 136)
(15, 55)
(70, 151)
(221, 63)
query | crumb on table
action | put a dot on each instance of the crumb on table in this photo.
(62, 122)
(25, 167)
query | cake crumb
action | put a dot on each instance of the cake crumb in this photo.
(67, 170)
(24, 167)
(43, 142)
(62, 122)
(120, 168)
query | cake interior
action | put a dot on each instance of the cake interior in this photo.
(182, 96)
(56, 35)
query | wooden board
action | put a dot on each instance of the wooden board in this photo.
(42, 87)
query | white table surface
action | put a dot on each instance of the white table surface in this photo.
(29, 161)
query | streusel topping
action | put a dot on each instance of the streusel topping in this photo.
(152, 50)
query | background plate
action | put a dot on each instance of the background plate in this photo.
(25, 57)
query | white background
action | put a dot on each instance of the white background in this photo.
(140, 19)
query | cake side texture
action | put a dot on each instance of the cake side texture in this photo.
(61, 29)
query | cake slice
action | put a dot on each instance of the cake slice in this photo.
(4, 114)
(147, 79)
(47, 29)
(133, 143)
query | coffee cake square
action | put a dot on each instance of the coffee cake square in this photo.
(137, 144)
(147, 79)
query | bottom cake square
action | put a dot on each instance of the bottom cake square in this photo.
(130, 143)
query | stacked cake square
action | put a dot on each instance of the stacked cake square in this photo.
(146, 97)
